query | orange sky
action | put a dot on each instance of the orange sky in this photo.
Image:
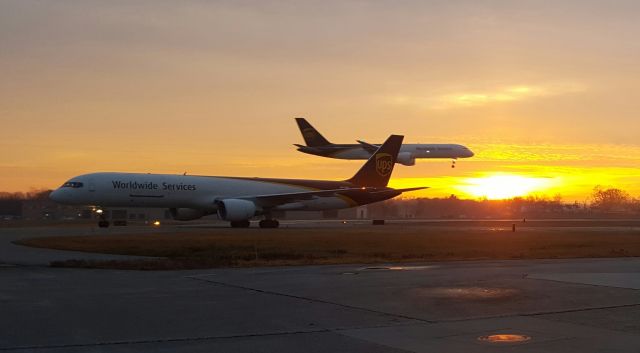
(544, 91)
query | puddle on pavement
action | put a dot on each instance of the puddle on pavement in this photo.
(468, 293)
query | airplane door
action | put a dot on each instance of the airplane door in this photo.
(92, 185)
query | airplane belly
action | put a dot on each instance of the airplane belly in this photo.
(352, 154)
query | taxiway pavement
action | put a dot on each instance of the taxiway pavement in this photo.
(583, 305)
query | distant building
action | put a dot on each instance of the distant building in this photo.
(135, 215)
(361, 212)
(45, 209)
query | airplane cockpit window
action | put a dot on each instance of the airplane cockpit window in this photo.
(72, 184)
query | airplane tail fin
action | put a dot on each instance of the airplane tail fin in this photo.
(377, 170)
(311, 136)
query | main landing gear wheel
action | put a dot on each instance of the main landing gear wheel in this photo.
(103, 224)
(240, 224)
(269, 223)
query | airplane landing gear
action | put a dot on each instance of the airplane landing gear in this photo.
(240, 224)
(269, 223)
(453, 163)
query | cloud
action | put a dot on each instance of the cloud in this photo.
(610, 154)
(474, 98)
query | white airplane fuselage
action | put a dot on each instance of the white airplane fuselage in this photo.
(186, 191)
(452, 151)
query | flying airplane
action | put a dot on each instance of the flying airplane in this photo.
(317, 145)
(235, 199)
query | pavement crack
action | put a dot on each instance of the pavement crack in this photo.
(582, 309)
(315, 300)
(166, 340)
(188, 339)
(539, 313)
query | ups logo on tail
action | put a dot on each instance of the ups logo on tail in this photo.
(384, 164)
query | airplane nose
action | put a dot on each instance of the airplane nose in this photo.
(58, 196)
(54, 195)
(471, 154)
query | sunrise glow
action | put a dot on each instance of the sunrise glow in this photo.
(505, 186)
(212, 88)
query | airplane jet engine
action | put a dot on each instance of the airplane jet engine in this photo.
(236, 209)
(406, 158)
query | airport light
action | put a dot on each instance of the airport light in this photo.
(504, 338)
(156, 223)
(99, 211)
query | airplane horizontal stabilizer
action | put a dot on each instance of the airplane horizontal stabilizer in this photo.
(412, 189)
(395, 192)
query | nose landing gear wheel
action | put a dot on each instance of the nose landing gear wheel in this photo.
(240, 224)
(269, 223)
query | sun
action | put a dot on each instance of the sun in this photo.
(504, 186)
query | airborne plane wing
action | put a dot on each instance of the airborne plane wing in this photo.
(368, 146)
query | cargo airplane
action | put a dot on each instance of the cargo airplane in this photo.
(317, 145)
(235, 199)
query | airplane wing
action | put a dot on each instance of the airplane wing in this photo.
(321, 148)
(371, 148)
(272, 200)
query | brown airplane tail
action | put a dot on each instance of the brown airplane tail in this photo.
(377, 170)
(311, 136)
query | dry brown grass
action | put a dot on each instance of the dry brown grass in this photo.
(265, 247)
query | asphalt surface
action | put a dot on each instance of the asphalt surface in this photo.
(585, 305)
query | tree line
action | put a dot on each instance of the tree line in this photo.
(33, 194)
(602, 202)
